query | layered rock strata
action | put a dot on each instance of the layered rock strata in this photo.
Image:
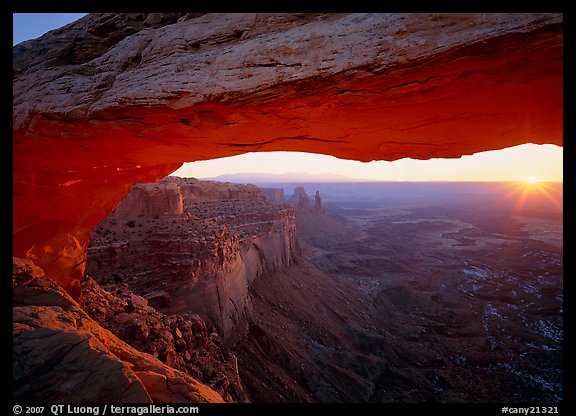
(274, 195)
(148, 199)
(202, 261)
(116, 99)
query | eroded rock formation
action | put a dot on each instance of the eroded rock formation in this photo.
(61, 355)
(201, 262)
(148, 199)
(299, 199)
(232, 266)
(274, 195)
(318, 203)
(302, 204)
(180, 341)
(115, 99)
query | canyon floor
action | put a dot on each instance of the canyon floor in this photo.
(397, 293)
(466, 277)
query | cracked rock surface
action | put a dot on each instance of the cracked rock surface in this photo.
(61, 355)
(112, 100)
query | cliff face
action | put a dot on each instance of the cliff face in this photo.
(300, 200)
(116, 99)
(148, 199)
(181, 341)
(274, 195)
(232, 266)
(202, 261)
(194, 190)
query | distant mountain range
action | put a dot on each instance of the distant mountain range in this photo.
(253, 177)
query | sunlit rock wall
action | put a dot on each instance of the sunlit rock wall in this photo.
(115, 99)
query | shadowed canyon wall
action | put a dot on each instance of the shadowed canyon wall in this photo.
(112, 100)
(201, 257)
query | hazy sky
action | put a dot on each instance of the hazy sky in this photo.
(542, 162)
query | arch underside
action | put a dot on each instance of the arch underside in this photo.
(75, 158)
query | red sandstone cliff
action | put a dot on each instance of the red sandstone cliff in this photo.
(173, 256)
(202, 261)
(148, 199)
(231, 265)
(116, 99)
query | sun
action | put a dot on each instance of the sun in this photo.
(531, 184)
(531, 180)
(530, 187)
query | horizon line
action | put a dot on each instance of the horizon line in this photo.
(360, 180)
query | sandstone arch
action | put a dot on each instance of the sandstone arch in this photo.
(112, 100)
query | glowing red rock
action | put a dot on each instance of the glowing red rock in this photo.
(89, 121)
